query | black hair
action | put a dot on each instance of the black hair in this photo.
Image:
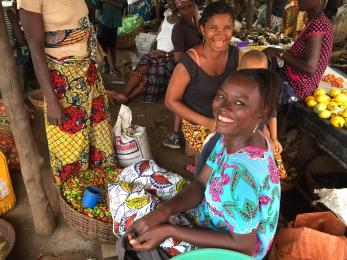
(269, 87)
(331, 9)
(214, 8)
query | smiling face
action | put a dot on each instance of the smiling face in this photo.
(218, 31)
(238, 106)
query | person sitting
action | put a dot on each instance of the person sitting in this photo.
(185, 35)
(154, 69)
(307, 59)
(234, 201)
(200, 72)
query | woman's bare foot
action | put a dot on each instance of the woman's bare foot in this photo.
(117, 97)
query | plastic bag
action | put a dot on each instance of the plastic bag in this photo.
(131, 141)
(130, 24)
(144, 42)
(311, 236)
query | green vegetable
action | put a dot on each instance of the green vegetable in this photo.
(73, 189)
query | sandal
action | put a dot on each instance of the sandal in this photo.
(190, 168)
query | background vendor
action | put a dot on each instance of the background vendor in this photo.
(307, 59)
(274, 14)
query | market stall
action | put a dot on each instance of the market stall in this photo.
(323, 117)
(332, 140)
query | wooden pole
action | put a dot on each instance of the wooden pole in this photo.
(29, 157)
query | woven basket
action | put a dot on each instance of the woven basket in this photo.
(89, 228)
(36, 98)
(7, 231)
(340, 24)
(127, 41)
(334, 60)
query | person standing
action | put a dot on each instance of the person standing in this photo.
(62, 42)
(307, 59)
(109, 16)
(274, 14)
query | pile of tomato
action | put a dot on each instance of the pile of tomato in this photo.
(334, 80)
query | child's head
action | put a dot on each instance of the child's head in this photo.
(246, 99)
(254, 59)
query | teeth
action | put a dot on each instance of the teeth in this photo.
(219, 43)
(224, 119)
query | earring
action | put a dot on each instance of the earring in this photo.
(255, 128)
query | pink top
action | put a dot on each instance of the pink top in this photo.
(302, 83)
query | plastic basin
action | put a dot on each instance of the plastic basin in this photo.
(212, 254)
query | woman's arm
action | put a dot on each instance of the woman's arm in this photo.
(272, 124)
(33, 28)
(244, 243)
(309, 63)
(173, 98)
(178, 55)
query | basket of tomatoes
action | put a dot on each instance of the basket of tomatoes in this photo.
(92, 223)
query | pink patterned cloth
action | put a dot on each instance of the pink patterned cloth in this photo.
(302, 83)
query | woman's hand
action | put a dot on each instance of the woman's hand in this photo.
(276, 146)
(151, 239)
(55, 113)
(210, 124)
(272, 52)
(154, 218)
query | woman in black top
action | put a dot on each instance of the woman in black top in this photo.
(201, 71)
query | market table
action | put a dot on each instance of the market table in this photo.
(330, 139)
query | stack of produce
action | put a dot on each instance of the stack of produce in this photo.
(335, 81)
(263, 37)
(73, 189)
(331, 105)
(340, 61)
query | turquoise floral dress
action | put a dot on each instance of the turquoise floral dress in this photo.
(242, 194)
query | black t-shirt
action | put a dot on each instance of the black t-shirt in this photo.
(202, 88)
(184, 36)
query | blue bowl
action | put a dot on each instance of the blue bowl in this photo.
(212, 254)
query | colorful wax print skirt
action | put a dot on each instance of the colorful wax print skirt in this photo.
(153, 73)
(84, 140)
(194, 135)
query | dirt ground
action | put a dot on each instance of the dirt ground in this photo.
(158, 121)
